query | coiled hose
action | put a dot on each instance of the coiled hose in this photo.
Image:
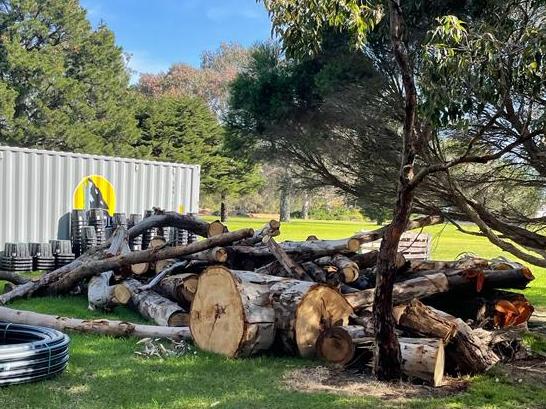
(29, 353)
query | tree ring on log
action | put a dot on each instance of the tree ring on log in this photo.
(336, 346)
(217, 318)
(321, 306)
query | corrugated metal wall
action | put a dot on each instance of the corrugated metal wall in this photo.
(37, 188)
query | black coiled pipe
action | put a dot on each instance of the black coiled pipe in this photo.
(29, 353)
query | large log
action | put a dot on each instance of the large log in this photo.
(180, 288)
(104, 296)
(300, 250)
(302, 309)
(422, 358)
(424, 321)
(403, 291)
(235, 313)
(231, 313)
(153, 306)
(98, 326)
(477, 279)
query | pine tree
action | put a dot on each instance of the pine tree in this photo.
(63, 85)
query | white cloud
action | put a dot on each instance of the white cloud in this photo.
(141, 62)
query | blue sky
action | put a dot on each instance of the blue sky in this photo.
(162, 32)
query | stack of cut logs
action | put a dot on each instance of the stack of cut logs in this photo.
(242, 293)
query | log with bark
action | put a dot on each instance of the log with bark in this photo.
(240, 313)
(348, 268)
(13, 277)
(98, 326)
(187, 222)
(404, 291)
(153, 306)
(488, 309)
(271, 229)
(421, 358)
(213, 256)
(180, 288)
(104, 296)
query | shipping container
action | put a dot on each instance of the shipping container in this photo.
(39, 188)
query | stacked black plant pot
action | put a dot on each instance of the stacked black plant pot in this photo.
(98, 219)
(43, 256)
(16, 257)
(62, 251)
(77, 222)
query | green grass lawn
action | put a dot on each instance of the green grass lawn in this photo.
(105, 373)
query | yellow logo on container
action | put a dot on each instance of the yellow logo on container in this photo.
(95, 192)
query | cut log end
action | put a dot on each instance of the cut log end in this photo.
(423, 358)
(122, 294)
(217, 317)
(321, 306)
(336, 346)
(215, 228)
(179, 319)
(140, 269)
(353, 245)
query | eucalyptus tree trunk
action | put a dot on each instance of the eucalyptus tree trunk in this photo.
(387, 350)
(223, 208)
(286, 186)
(305, 207)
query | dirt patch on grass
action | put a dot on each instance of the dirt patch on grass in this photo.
(529, 371)
(352, 383)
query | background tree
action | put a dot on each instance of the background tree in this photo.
(210, 81)
(333, 116)
(183, 129)
(63, 85)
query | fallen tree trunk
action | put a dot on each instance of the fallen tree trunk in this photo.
(65, 278)
(422, 358)
(478, 280)
(180, 288)
(104, 296)
(403, 291)
(182, 221)
(235, 313)
(300, 250)
(99, 326)
(153, 306)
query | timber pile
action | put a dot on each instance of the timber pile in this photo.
(242, 293)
